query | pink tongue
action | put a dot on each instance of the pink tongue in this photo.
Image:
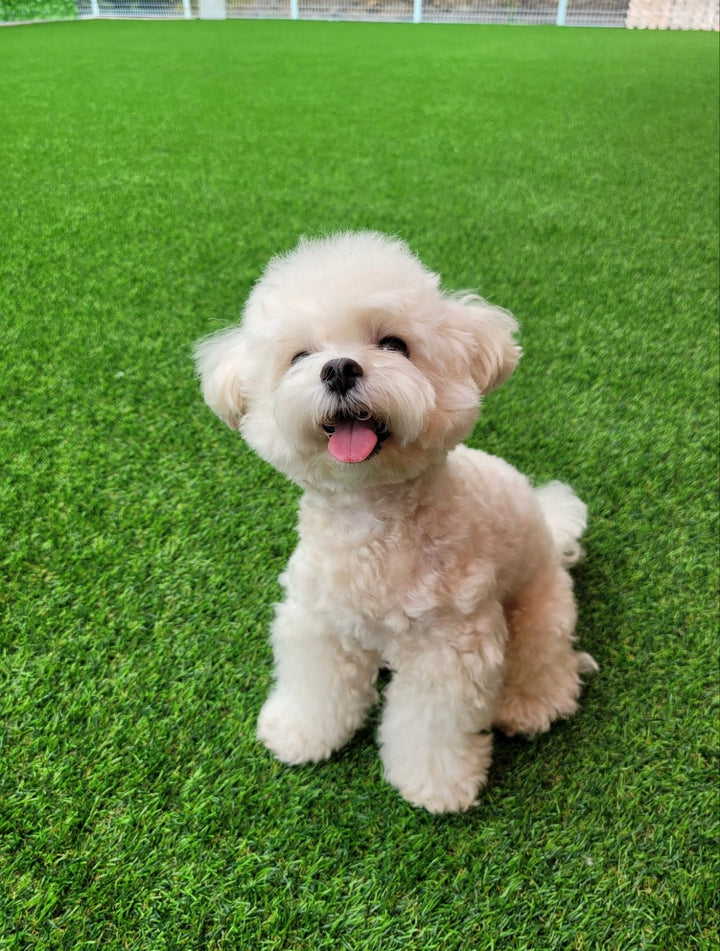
(352, 441)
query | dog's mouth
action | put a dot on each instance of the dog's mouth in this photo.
(355, 438)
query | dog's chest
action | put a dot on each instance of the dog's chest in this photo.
(375, 577)
(362, 565)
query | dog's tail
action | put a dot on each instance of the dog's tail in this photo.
(566, 515)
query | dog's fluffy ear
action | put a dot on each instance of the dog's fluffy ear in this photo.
(487, 333)
(219, 363)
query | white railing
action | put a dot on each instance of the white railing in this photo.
(161, 9)
(639, 14)
(561, 12)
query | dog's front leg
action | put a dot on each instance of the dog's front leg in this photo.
(435, 738)
(322, 689)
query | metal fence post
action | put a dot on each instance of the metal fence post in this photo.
(417, 11)
(186, 10)
(95, 8)
(562, 12)
(294, 10)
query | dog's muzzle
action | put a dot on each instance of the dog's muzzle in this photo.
(355, 434)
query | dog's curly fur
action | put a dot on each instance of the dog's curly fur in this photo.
(356, 376)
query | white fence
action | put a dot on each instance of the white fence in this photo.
(639, 14)
(562, 12)
(163, 9)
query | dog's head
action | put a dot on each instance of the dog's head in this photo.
(351, 368)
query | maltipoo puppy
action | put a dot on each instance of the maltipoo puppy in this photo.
(357, 377)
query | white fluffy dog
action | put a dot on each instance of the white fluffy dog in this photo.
(356, 376)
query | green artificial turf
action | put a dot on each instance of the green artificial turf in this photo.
(148, 171)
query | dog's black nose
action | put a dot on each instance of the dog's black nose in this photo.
(340, 375)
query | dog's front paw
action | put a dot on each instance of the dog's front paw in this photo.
(295, 734)
(443, 779)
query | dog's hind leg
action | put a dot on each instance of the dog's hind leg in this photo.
(542, 681)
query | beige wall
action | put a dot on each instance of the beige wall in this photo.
(674, 14)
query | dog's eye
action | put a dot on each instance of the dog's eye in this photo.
(394, 343)
(299, 356)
